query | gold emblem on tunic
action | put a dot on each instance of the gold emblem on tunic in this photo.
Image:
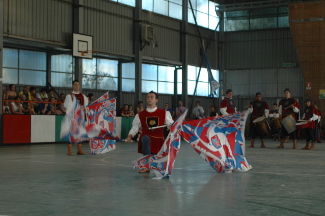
(152, 122)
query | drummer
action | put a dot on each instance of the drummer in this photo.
(288, 106)
(227, 105)
(310, 114)
(318, 125)
(257, 108)
(274, 113)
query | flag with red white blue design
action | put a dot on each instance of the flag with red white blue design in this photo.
(75, 129)
(102, 112)
(162, 164)
(73, 124)
(220, 141)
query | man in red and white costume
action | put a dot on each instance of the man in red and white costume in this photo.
(227, 105)
(288, 106)
(311, 116)
(257, 108)
(68, 104)
(151, 140)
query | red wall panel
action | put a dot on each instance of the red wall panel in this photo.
(16, 129)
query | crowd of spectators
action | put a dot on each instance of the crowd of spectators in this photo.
(28, 101)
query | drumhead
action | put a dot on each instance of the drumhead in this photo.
(259, 119)
(301, 123)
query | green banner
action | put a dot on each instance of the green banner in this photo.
(58, 119)
(126, 126)
(322, 93)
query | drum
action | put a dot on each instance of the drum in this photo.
(276, 124)
(302, 125)
(289, 123)
(261, 125)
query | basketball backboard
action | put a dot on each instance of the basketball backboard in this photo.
(82, 46)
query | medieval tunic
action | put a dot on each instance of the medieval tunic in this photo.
(68, 103)
(227, 106)
(259, 109)
(151, 117)
(285, 110)
(311, 113)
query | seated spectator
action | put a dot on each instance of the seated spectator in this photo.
(131, 110)
(90, 97)
(42, 95)
(60, 103)
(42, 107)
(16, 107)
(51, 93)
(5, 107)
(167, 108)
(32, 91)
(26, 93)
(140, 107)
(180, 109)
(213, 111)
(27, 108)
(125, 111)
(11, 94)
(198, 111)
(52, 109)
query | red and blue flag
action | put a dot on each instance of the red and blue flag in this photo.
(102, 113)
(219, 140)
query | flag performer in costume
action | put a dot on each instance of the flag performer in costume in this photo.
(310, 115)
(70, 104)
(162, 164)
(150, 141)
(288, 106)
(257, 108)
(227, 105)
(220, 141)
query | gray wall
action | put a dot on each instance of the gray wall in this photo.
(261, 49)
(253, 63)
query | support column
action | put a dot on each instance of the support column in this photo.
(137, 52)
(221, 54)
(1, 65)
(119, 87)
(184, 50)
(48, 70)
(78, 27)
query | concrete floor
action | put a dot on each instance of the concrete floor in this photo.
(43, 180)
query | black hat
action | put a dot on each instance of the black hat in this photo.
(275, 104)
(287, 89)
(228, 90)
(258, 93)
(309, 100)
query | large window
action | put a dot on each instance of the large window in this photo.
(204, 10)
(203, 85)
(24, 67)
(99, 74)
(261, 18)
(158, 78)
(128, 77)
(62, 70)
